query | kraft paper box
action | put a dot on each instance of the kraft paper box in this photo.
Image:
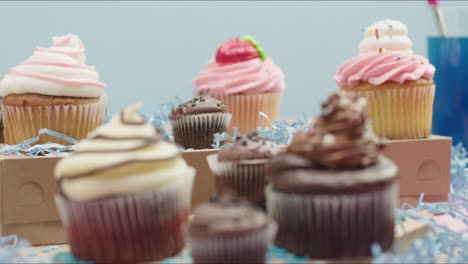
(424, 166)
(27, 185)
(27, 189)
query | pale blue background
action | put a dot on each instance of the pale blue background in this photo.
(150, 51)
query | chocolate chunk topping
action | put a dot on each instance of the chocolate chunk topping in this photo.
(202, 104)
(342, 137)
(248, 147)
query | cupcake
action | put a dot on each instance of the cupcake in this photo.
(229, 231)
(195, 122)
(246, 80)
(124, 193)
(332, 193)
(398, 85)
(240, 167)
(53, 89)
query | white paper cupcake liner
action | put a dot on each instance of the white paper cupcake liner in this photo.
(128, 228)
(245, 109)
(247, 178)
(76, 121)
(402, 113)
(334, 225)
(197, 131)
(249, 247)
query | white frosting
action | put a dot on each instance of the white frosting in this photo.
(124, 156)
(59, 70)
(390, 35)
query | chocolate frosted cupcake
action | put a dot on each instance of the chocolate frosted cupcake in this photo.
(332, 193)
(240, 167)
(195, 122)
(124, 193)
(230, 232)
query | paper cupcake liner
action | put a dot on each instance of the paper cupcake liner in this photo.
(196, 131)
(245, 109)
(248, 247)
(334, 225)
(76, 121)
(246, 178)
(128, 228)
(402, 113)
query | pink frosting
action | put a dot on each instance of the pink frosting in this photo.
(377, 68)
(248, 77)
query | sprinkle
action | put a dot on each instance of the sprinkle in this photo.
(414, 58)
(369, 30)
(398, 58)
(381, 50)
(390, 26)
(377, 33)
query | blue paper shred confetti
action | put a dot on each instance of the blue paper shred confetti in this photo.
(159, 116)
(67, 257)
(48, 149)
(280, 132)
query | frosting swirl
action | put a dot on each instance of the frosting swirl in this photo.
(248, 147)
(59, 70)
(247, 77)
(377, 68)
(126, 155)
(388, 34)
(342, 137)
(226, 217)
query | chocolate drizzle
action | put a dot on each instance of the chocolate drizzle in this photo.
(342, 137)
(120, 138)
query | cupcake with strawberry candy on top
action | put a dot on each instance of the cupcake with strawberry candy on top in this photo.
(246, 80)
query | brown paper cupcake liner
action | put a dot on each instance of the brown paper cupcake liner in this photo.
(245, 109)
(196, 131)
(128, 228)
(246, 178)
(401, 113)
(249, 247)
(76, 121)
(334, 225)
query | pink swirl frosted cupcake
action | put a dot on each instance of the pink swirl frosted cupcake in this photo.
(397, 84)
(54, 89)
(244, 79)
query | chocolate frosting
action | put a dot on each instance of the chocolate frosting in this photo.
(226, 217)
(296, 174)
(342, 137)
(250, 146)
(201, 104)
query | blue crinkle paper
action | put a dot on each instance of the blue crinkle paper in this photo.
(48, 149)
(280, 132)
(159, 116)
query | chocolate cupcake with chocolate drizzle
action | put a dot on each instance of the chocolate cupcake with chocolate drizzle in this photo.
(230, 231)
(124, 193)
(332, 192)
(240, 167)
(195, 122)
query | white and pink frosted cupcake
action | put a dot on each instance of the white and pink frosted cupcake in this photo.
(398, 85)
(53, 89)
(248, 82)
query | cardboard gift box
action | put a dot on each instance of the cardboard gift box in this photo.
(27, 185)
(27, 189)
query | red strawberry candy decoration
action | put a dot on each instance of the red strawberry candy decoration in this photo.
(239, 49)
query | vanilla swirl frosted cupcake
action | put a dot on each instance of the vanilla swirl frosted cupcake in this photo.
(332, 192)
(53, 89)
(398, 85)
(244, 79)
(124, 193)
